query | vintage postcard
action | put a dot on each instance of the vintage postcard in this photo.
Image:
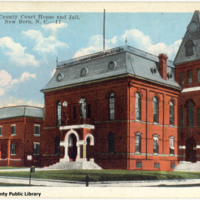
(99, 100)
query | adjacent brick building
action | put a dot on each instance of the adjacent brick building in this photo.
(187, 64)
(20, 129)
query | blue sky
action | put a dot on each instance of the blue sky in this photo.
(28, 51)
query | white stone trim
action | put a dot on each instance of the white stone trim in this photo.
(91, 139)
(65, 144)
(192, 89)
(88, 126)
(198, 146)
(182, 147)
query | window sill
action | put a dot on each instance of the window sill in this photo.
(155, 123)
(13, 134)
(171, 154)
(13, 154)
(138, 153)
(37, 135)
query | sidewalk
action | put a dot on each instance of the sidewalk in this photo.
(63, 183)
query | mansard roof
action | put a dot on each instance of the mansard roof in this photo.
(124, 60)
(21, 111)
(192, 38)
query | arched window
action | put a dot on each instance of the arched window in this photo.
(138, 144)
(155, 144)
(190, 114)
(138, 106)
(57, 145)
(111, 143)
(155, 110)
(171, 110)
(112, 106)
(82, 106)
(189, 48)
(59, 113)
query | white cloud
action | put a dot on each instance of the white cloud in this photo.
(141, 41)
(16, 52)
(96, 44)
(53, 72)
(54, 27)
(135, 38)
(46, 44)
(7, 82)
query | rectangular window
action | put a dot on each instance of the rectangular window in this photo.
(36, 148)
(155, 145)
(138, 144)
(172, 165)
(0, 130)
(198, 116)
(182, 78)
(36, 129)
(190, 76)
(88, 111)
(171, 149)
(13, 149)
(157, 165)
(198, 75)
(74, 112)
(181, 118)
(13, 129)
(138, 165)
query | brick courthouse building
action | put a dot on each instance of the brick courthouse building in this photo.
(121, 108)
(118, 107)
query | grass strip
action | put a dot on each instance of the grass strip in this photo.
(105, 175)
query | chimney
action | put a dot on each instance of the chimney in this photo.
(163, 65)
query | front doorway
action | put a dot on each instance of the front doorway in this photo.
(190, 150)
(72, 148)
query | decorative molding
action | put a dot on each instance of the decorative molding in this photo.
(182, 147)
(87, 126)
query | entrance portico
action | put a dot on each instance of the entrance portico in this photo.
(73, 144)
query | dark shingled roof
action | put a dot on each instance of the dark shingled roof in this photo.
(21, 111)
(128, 61)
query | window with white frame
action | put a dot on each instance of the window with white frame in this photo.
(155, 144)
(1, 130)
(37, 130)
(138, 143)
(13, 129)
(36, 148)
(171, 148)
(13, 149)
(155, 109)
(59, 113)
(112, 106)
(138, 106)
(82, 107)
(171, 113)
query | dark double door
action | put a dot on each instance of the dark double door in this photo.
(190, 150)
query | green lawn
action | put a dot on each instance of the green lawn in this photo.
(105, 175)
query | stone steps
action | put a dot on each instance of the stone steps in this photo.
(67, 165)
(188, 166)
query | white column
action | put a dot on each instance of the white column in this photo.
(65, 145)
